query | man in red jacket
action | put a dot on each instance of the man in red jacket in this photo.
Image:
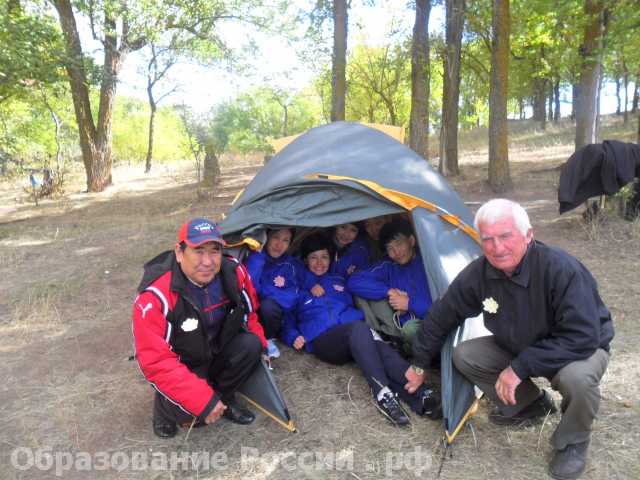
(196, 333)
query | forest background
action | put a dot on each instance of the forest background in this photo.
(226, 76)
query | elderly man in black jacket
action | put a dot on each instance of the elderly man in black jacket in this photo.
(547, 319)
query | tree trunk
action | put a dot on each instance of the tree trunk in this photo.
(539, 101)
(625, 79)
(575, 98)
(211, 167)
(638, 134)
(550, 102)
(591, 54)
(618, 99)
(419, 119)
(556, 96)
(636, 95)
(499, 176)
(339, 66)
(211, 170)
(521, 108)
(152, 123)
(95, 142)
(451, 88)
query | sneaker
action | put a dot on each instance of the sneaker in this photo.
(272, 349)
(569, 463)
(390, 407)
(539, 408)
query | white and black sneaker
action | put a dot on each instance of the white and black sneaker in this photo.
(390, 407)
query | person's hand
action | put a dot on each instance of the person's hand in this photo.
(398, 300)
(216, 413)
(317, 290)
(298, 343)
(506, 386)
(413, 380)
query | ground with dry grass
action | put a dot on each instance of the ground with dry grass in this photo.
(68, 272)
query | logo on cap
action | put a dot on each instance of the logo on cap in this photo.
(198, 231)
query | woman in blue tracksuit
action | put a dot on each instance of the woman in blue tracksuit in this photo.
(275, 275)
(351, 250)
(328, 325)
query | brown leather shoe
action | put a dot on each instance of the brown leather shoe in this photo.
(570, 462)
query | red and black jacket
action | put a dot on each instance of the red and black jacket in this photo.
(169, 334)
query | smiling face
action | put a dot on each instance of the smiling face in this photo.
(278, 242)
(503, 244)
(318, 262)
(401, 248)
(374, 225)
(202, 263)
(345, 234)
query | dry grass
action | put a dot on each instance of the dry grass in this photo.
(68, 271)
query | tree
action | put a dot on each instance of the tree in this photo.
(160, 62)
(499, 176)
(451, 88)
(124, 26)
(339, 63)
(377, 79)
(419, 121)
(590, 72)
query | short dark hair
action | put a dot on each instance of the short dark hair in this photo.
(397, 226)
(317, 241)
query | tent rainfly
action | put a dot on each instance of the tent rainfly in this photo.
(346, 172)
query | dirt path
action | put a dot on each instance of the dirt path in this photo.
(68, 272)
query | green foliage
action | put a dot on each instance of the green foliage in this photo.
(31, 49)
(257, 115)
(131, 127)
(27, 131)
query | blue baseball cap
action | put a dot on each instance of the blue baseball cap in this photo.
(198, 231)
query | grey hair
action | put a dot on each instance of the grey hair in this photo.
(500, 208)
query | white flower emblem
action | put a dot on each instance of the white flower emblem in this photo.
(279, 281)
(338, 288)
(189, 325)
(490, 305)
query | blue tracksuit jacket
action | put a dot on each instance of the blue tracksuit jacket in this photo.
(315, 315)
(375, 282)
(276, 278)
(355, 254)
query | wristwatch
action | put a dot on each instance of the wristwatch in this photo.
(417, 370)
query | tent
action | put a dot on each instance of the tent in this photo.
(261, 391)
(345, 172)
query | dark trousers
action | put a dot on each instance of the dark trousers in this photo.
(270, 314)
(230, 368)
(381, 365)
(481, 360)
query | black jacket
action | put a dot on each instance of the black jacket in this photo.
(597, 169)
(547, 314)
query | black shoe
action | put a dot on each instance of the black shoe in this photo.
(390, 408)
(539, 408)
(237, 413)
(569, 463)
(164, 428)
(431, 403)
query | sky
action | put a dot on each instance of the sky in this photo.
(202, 87)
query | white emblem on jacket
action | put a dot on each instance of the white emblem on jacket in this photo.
(189, 325)
(490, 305)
